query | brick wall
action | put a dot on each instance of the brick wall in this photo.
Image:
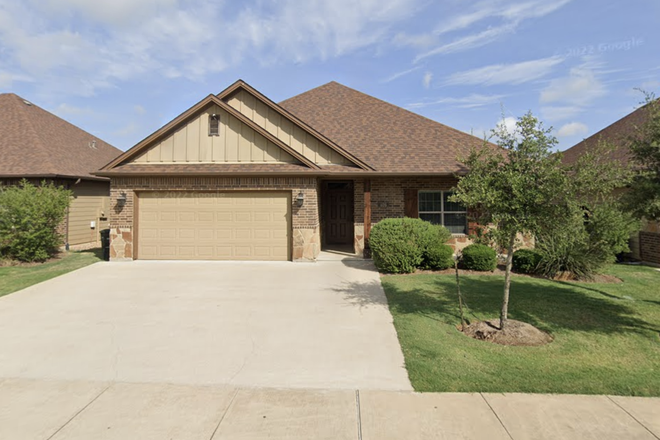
(387, 201)
(649, 246)
(305, 219)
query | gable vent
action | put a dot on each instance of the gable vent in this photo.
(214, 125)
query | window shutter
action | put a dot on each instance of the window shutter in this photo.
(410, 203)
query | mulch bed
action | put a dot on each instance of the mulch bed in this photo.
(515, 333)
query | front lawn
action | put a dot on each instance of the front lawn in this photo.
(607, 336)
(13, 278)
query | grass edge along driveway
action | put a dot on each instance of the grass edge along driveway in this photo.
(15, 278)
(607, 336)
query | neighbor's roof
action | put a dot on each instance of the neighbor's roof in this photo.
(387, 137)
(618, 133)
(36, 143)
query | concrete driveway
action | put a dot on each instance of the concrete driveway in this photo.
(290, 325)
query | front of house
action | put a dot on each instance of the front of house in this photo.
(239, 177)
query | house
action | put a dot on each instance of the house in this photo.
(38, 146)
(645, 245)
(237, 176)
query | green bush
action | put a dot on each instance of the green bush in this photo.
(401, 245)
(29, 217)
(439, 257)
(526, 261)
(479, 257)
(584, 244)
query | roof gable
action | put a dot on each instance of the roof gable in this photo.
(308, 131)
(34, 142)
(139, 154)
(389, 138)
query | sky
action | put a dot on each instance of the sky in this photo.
(121, 69)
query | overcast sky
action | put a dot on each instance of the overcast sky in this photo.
(120, 69)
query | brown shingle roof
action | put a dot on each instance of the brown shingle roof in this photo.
(387, 137)
(617, 133)
(37, 143)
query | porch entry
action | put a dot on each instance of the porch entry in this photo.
(337, 215)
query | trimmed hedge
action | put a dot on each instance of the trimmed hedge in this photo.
(401, 245)
(526, 261)
(479, 257)
(439, 257)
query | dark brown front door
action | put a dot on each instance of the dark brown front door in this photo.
(338, 212)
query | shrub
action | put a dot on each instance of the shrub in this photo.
(439, 257)
(29, 217)
(584, 244)
(526, 261)
(400, 245)
(479, 257)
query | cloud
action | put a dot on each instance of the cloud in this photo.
(514, 12)
(85, 46)
(572, 129)
(559, 113)
(579, 88)
(426, 80)
(469, 42)
(509, 14)
(509, 124)
(400, 74)
(403, 39)
(128, 130)
(139, 109)
(516, 73)
(65, 109)
(470, 101)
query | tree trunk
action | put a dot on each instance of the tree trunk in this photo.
(460, 298)
(507, 282)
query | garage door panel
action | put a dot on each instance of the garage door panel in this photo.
(214, 226)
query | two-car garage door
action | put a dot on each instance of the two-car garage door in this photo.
(213, 226)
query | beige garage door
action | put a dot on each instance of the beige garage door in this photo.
(213, 226)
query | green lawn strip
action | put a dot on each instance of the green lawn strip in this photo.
(607, 336)
(14, 278)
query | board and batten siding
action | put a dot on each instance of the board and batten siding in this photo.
(90, 203)
(236, 143)
(285, 130)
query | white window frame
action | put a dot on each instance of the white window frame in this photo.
(442, 211)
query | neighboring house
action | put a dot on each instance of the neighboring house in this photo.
(644, 245)
(238, 176)
(39, 146)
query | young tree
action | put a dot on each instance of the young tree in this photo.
(524, 189)
(518, 189)
(643, 197)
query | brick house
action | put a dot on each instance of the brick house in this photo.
(38, 146)
(238, 176)
(645, 244)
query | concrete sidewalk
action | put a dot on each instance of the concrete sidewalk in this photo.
(79, 410)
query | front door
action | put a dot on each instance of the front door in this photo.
(338, 212)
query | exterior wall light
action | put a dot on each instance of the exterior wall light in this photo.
(300, 199)
(121, 199)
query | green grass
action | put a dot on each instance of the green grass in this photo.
(14, 278)
(607, 336)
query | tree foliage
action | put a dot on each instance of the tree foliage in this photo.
(29, 218)
(523, 188)
(643, 197)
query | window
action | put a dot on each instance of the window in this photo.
(435, 207)
(214, 125)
